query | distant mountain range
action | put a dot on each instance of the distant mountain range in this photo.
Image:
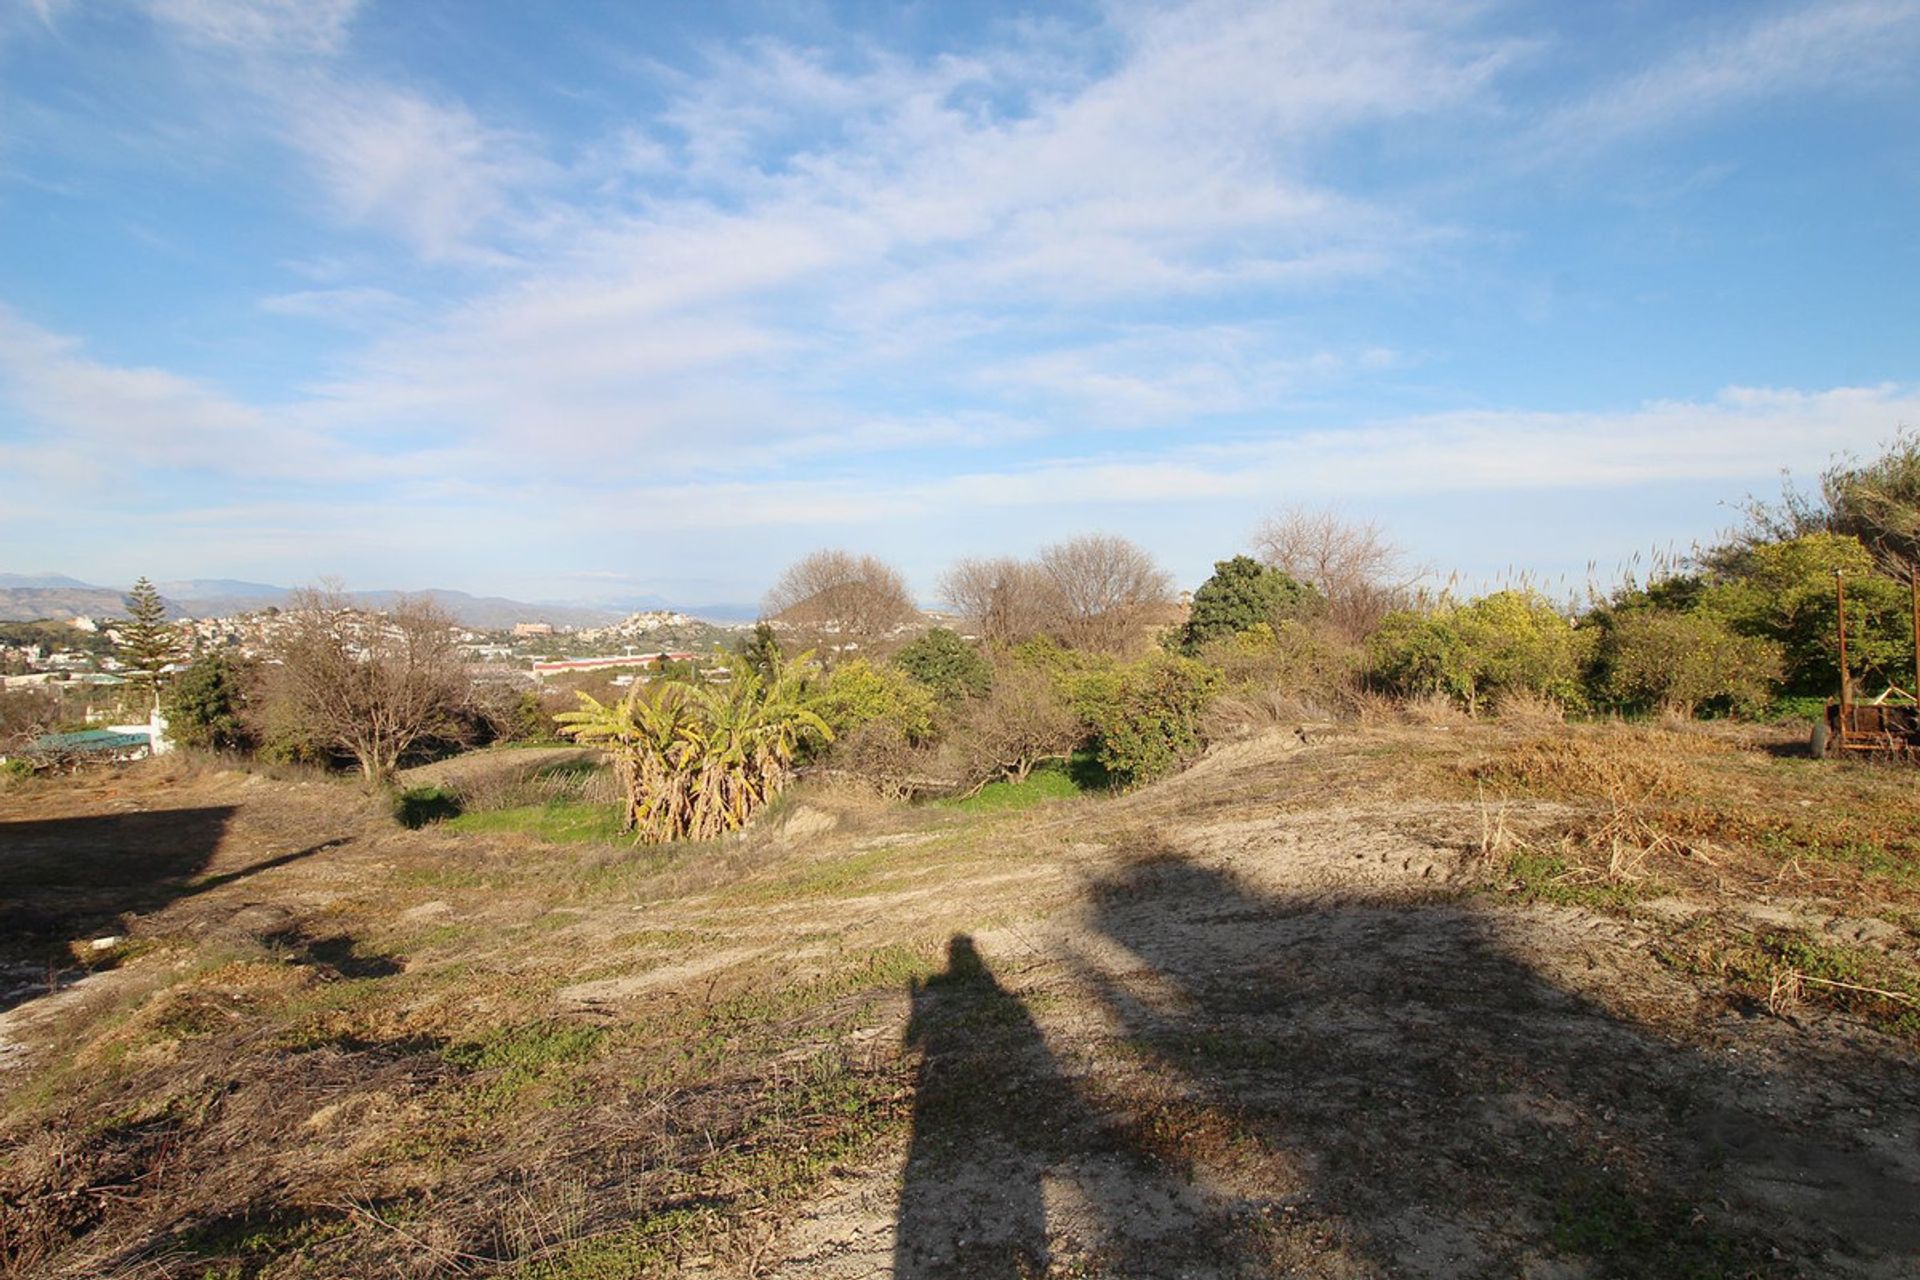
(25, 597)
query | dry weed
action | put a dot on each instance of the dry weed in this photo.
(1433, 711)
(1621, 766)
(1529, 712)
(1254, 712)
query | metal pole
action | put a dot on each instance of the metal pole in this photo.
(1913, 583)
(1846, 682)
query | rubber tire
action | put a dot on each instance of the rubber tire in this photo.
(1821, 743)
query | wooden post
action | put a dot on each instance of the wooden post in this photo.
(1913, 583)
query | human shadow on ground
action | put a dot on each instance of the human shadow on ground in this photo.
(995, 1121)
(65, 879)
(1456, 1113)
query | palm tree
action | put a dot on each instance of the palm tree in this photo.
(696, 762)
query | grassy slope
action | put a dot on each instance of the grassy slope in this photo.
(459, 1050)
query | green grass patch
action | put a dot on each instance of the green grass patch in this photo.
(417, 806)
(557, 821)
(529, 1047)
(1627, 1231)
(1535, 876)
(1796, 707)
(1050, 780)
(511, 1060)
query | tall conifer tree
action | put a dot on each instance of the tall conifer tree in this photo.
(148, 642)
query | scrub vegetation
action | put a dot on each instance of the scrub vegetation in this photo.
(1327, 927)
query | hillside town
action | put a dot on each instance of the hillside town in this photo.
(82, 650)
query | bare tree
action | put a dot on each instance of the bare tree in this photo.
(1109, 591)
(1004, 600)
(1362, 575)
(840, 600)
(1022, 722)
(25, 714)
(372, 684)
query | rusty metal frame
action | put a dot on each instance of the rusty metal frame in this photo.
(1876, 728)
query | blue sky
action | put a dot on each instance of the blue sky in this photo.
(566, 301)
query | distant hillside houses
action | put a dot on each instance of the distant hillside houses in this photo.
(560, 666)
(636, 625)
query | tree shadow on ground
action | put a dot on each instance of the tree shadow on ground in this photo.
(997, 1124)
(1455, 1113)
(339, 953)
(65, 879)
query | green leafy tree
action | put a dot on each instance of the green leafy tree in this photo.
(946, 664)
(1242, 593)
(206, 707)
(697, 761)
(859, 693)
(1784, 592)
(1685, 661)
(147, 641)
(1509, 641)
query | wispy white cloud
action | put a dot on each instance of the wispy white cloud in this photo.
(1162, 375)
(809, 260)
(260, 26)
(789, 259)
(394, 159)
(1847, 44)
(351, 307)
(107, 426)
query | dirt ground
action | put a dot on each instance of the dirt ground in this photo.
(1401, 1001)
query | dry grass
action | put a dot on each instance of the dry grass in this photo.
(1528, 712)
(334, 1046)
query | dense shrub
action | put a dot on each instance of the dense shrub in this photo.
(1506, 641)
(1683, 662)
(1146, 716)
(206, 706)
(880, 755)
(1293, 658)
(503, 713)
(947, 665)
(859, 693)
(1241, 594)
